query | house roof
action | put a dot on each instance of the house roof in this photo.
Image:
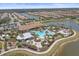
(24, 36)
(30, 25)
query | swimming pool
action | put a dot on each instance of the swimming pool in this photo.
(42, 34)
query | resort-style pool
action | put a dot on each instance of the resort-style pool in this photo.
(42, 34)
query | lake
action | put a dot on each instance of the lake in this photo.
(66, 23)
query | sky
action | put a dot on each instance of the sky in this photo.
(37, 5)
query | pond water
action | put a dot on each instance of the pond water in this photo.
(30, 16)
(66, 23)
(71, 49)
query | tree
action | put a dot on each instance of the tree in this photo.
(6, 39)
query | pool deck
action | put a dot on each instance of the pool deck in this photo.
(52, 49)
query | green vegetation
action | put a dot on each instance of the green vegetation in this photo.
(16, 53)
(5, 20)
(51, 20)
(0, 45)
(77, 21)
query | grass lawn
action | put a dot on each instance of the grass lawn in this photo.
(52, 20)
(0, 45)
(77, 21)
(16, 53)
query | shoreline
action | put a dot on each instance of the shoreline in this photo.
(58, 52)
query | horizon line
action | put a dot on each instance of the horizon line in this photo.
(40, 8)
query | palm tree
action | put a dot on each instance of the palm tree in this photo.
(5, 44)
(6, 39)
(35, 37)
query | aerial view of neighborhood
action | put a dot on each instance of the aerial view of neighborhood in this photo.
(39, 31)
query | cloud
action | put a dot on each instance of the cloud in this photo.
(37, 5)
